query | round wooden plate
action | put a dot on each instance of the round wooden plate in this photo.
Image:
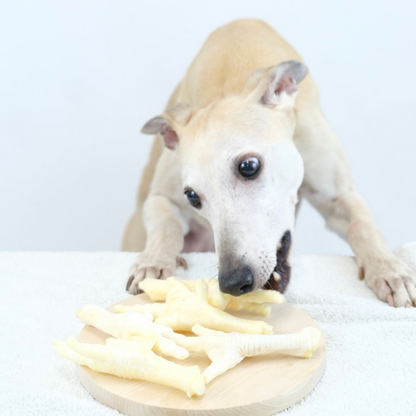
(257, 386)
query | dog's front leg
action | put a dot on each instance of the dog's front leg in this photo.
(329, 187)
(165, 227)
(388, 276)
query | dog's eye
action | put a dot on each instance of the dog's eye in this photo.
(193, 198)
(248, 168)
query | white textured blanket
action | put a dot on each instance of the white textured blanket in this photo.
(371, 357)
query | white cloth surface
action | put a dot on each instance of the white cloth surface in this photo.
(371, 347)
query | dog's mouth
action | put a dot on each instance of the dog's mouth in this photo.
(280, 277)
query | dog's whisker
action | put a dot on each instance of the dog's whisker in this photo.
(213, 277)
(206, 269)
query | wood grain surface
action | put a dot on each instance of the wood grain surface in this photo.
(257, 386)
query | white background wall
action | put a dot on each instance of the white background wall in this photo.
(78, 79)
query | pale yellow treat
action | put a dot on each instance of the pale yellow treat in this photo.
(252, 302)
(262, 296)
(133, 345)
(226, 350)
(158, 289)
(156, 309)
(132, 325)
(263, 310)
(120, 358)
(185, 308)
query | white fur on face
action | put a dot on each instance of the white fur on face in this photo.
(248, 217)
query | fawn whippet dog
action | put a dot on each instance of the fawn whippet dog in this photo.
(237, 147)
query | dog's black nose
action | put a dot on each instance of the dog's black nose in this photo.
(237, 282)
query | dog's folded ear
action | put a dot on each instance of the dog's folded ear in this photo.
(276, 87)
(168, 123)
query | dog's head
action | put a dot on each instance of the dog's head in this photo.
(241, 171)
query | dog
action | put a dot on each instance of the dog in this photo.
(242, 141)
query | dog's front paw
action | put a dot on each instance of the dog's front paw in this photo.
(147, 266)
(392, 281)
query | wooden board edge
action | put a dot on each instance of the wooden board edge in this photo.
(266, 408)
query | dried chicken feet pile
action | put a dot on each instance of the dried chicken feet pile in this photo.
(226, 350)
(133, 360)
(140, 331)
(157, 291)
(132, 325)
(185, 308)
